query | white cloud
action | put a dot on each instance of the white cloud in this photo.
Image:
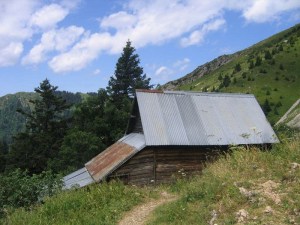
(48, 16)
(155, 22)
(10, 54)
(182, 64)
(163, 70)
(119, 21)
(268, 10)
(81, 54)
(53, 40)
(144, 22)
(20, 20)
(14, 15)
(96, 71)
(197, 36)
(162, 74)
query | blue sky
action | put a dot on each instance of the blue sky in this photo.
(76, 43)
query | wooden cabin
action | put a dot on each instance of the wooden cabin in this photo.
(173, 133)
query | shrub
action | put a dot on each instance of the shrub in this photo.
(258, 61)
(263, 71)
(237, 67)
(281, 67)
(268, 55)
(18, 189)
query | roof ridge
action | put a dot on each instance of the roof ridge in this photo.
(219, 94)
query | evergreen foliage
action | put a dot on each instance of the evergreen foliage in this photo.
(34, 149)
(226, 81)
(258, 61)
(251, 66)
(268, 55)
(128, 75)
(237, 67)
(3, 153)
(12, 122)
(78, 148)
(97, 123)
(266, 107)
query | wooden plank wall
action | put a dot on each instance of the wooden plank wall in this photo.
(156, 165)
(138, 170)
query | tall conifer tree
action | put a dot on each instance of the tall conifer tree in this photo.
(37, 147)
(128, 76)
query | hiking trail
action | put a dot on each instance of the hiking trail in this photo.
(140, 214)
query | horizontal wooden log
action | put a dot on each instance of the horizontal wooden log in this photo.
(163, 164)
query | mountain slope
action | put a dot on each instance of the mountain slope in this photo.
(12, 122)
(269, 70)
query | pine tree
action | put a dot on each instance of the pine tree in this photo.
(258, 61)
(266, 107)
(251, 66)
(128, 75)
(46, 126)
(268, 55)
(226, 81)
(237, 68)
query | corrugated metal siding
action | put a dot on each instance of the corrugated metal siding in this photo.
(79, 178)
(114, 156)
(191, 118)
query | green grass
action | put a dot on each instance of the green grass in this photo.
(278, 82)
(97, 204)
(218, 189)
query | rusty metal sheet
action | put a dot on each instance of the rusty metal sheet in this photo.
(114, 156)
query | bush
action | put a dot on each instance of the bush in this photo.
(18, 189)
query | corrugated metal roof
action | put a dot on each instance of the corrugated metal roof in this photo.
(194, 118)
(79, 178)
(114, 156)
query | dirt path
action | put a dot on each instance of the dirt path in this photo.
(139, 214)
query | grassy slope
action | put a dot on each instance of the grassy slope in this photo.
(97, 204)
(266, 81)
(241, 181)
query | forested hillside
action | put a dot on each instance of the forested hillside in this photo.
(269, 70)
(12, 122)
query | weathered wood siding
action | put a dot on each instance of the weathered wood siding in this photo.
(138, 170)
(155, 165)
